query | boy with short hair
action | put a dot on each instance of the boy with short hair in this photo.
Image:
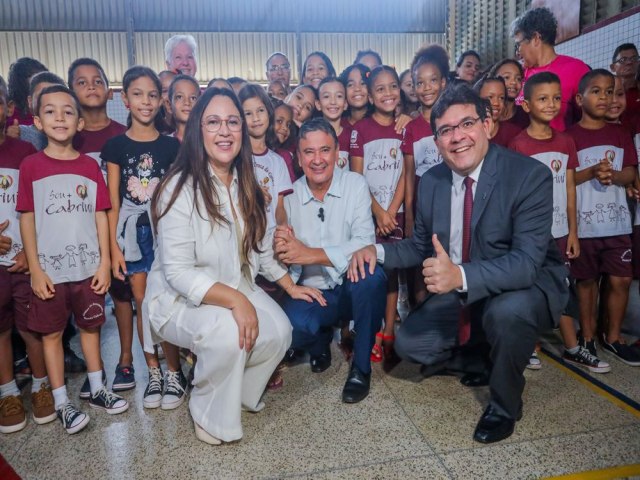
(89, 82)
(62, 197)
(15, 292)
(607, 159)
(542, 100)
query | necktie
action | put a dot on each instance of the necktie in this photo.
(464, 322)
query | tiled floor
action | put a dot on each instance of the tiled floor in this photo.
(407, 428)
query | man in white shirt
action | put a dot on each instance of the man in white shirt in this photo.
(329, 215)
(483, 237)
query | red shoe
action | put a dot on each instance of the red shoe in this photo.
(376, 351)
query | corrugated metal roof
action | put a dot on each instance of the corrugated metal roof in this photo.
(239, 16)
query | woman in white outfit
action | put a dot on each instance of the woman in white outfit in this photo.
(209, 213)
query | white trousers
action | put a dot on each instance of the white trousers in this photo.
(227, 378)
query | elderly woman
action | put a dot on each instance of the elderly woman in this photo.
(210, 217)
(180, 54)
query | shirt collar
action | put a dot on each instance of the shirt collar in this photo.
(218, 182)
(458, 179)
(335, 189)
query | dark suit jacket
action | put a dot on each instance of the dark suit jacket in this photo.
(511, 244)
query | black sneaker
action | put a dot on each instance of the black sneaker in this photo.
(153, 393)
(589, 345)
(583, 358)
(73, 420)
(175, 385)
(623, 352)
(72, 362)
(108, 401)
(125, 379)
(85, 391)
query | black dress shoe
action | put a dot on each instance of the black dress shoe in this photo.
(475, 380)
(357, 386)
(292, 355)
(319, 363)
(493, 427)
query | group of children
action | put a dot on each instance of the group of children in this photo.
(76, 190)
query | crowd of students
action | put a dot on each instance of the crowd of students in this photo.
(76, 189)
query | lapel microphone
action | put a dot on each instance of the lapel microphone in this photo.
(321, 214)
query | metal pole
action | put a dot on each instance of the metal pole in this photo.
(131, 39)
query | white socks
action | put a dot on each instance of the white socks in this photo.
(95, 381)
(60, 397)
(36, 383)
(9, 389)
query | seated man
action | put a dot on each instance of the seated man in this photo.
(482, 234)
(329, 216)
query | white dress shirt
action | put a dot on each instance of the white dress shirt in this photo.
(346, 228)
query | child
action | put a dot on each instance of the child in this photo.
(494, 91)
(183, 94)
(511, 72)
(409, 104)
(302, 100)
(89, 82)
(15, 292)
(618, 103)
(607, 159)
(332, 103)
(354, 80)
(283, 125)
(63, 198)
(276, 89)
(317, 66)
(236, 83)
(542, 99)
(20, 75)
(29, 133)
(270, 169)
(163, 121)
(375, 153)
(219, 83)
(136, 161)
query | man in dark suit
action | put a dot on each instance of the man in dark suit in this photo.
(483, 237)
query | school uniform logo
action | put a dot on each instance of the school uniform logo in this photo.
(393, 153)
(81, 191)
(556, 165)
(5, 182)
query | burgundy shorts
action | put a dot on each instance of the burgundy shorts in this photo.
(15, 294)
(49, 316)
(121, 290)
(610, 255)
(561, 242)
(397, 234)
(635, 240)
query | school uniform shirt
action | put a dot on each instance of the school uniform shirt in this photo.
(602, 209)
(12, 153)
(506, 132)
(344, 144)
(420, 142)
(635, 129)
(271, 172)
(64, 196)
(559, 154)
(142, 165)
(520, 118)
(92, 143)
(288, 158)
(379, 146)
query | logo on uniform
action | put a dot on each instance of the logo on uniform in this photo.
(5, 182)
(354, 136)
(610, 156)
(556, 165)
(81, 191)
(393, 152)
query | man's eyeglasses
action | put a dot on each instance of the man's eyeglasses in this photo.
(465, 125)
(280, 68)
(212, 123)
(623, 60)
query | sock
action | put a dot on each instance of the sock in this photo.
(573, 350)
(95, 381)
(60, 397)
(36, 383)
(9, 389)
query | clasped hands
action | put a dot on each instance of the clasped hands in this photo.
(441, 275)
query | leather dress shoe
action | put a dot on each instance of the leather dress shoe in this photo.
(475, 380)
(292, 355)
(356, 387)
(493, 426)
(319, 363)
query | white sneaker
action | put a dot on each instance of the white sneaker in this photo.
(153, 393)
(534, 362)
(175, 385)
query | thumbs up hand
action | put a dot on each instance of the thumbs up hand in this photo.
(441, 275)
(5, 242)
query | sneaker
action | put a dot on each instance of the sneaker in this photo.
(583, 358)
(153, 392)
(625, 353)
(73, 420)
(85, 391)
(534, 362)
(72, 362)
(589, 345)
(175, 385)
(12, 416)
(42, 405)
(125, 379)
(108, 401)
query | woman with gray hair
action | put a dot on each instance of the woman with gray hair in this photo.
(180, 54)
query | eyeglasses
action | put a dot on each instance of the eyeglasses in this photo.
(465, 126)
(632, 59)
(519, 43)
(213, 123)
(280, 68)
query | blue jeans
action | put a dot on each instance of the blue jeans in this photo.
(145, 242)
